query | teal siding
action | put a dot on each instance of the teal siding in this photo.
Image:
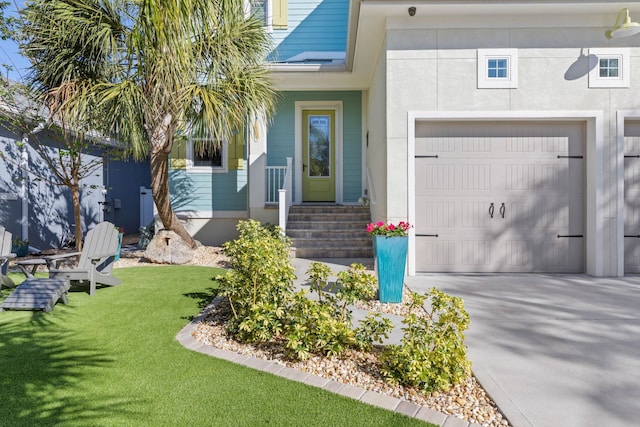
(208, 192)
(281, 137)
(314, 26)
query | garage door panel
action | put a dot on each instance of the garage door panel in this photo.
(631, 255)
(476, 214)
(631, 204)
(475, 253)
(534, 181)
(549, 254)
(435, 177)
(436, 214)
(551, 214)
(454, 255)
(554, 177)
(475, 177)
(432, 176)
(531, 147)
(436, 252)
(447, 214)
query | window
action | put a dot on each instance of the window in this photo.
(209, 156)
(259, 10)
(274, 14)
(212, 158)
(610, 69)
(497, 68)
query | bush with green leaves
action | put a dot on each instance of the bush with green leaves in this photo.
(432, 355)
(325, 326)
(260, 284)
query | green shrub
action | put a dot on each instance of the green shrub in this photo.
(260, 284)
(318, 275)
(432, 355)
(356, 284)
(314, 328)
(324, 326)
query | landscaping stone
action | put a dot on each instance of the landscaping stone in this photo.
(167, 247)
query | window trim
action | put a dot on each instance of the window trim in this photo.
(624, 68)
(486, 82)
(207, 169)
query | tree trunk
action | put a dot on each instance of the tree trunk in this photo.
(75, 197)
(160, 190)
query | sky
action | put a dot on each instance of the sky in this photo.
(9, 50)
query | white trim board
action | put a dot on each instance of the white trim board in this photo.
(594, 165)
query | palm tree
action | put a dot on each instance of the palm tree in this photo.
(147, 71)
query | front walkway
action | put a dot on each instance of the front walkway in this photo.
(553, 350)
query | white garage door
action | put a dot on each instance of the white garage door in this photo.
(496, 197)
(632, 197)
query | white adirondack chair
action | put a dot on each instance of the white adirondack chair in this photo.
(95, 262)
(5, 256)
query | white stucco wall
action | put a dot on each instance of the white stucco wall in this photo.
(376, 152)
(435, 70)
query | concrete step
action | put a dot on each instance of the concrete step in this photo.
(329, 231)
(330, 216)
(328, 242)
(344, 252)
(328, 209)
(332, 233)
(326, 225)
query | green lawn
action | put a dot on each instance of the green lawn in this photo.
(112, 359)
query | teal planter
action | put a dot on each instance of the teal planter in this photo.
(117, 257)
(20, 250)
(391, 258)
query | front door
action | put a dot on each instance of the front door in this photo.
(318, 156)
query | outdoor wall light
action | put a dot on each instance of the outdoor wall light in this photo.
(625, 29)
(412, 11)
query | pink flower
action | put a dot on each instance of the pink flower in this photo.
(381, 229)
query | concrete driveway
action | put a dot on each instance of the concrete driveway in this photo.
(553, 350)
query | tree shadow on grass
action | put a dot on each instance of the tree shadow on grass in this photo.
(205, 297)
(48, 372)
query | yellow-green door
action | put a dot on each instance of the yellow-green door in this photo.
(318, 156)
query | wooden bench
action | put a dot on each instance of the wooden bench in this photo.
(37, 294)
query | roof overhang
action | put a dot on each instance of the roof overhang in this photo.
(370, 19)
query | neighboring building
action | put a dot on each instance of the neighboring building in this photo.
(507, 132)
(42, 213)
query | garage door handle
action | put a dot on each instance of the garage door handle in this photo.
(502, 210)
(491, 207)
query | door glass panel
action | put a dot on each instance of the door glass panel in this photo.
(319, 146)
